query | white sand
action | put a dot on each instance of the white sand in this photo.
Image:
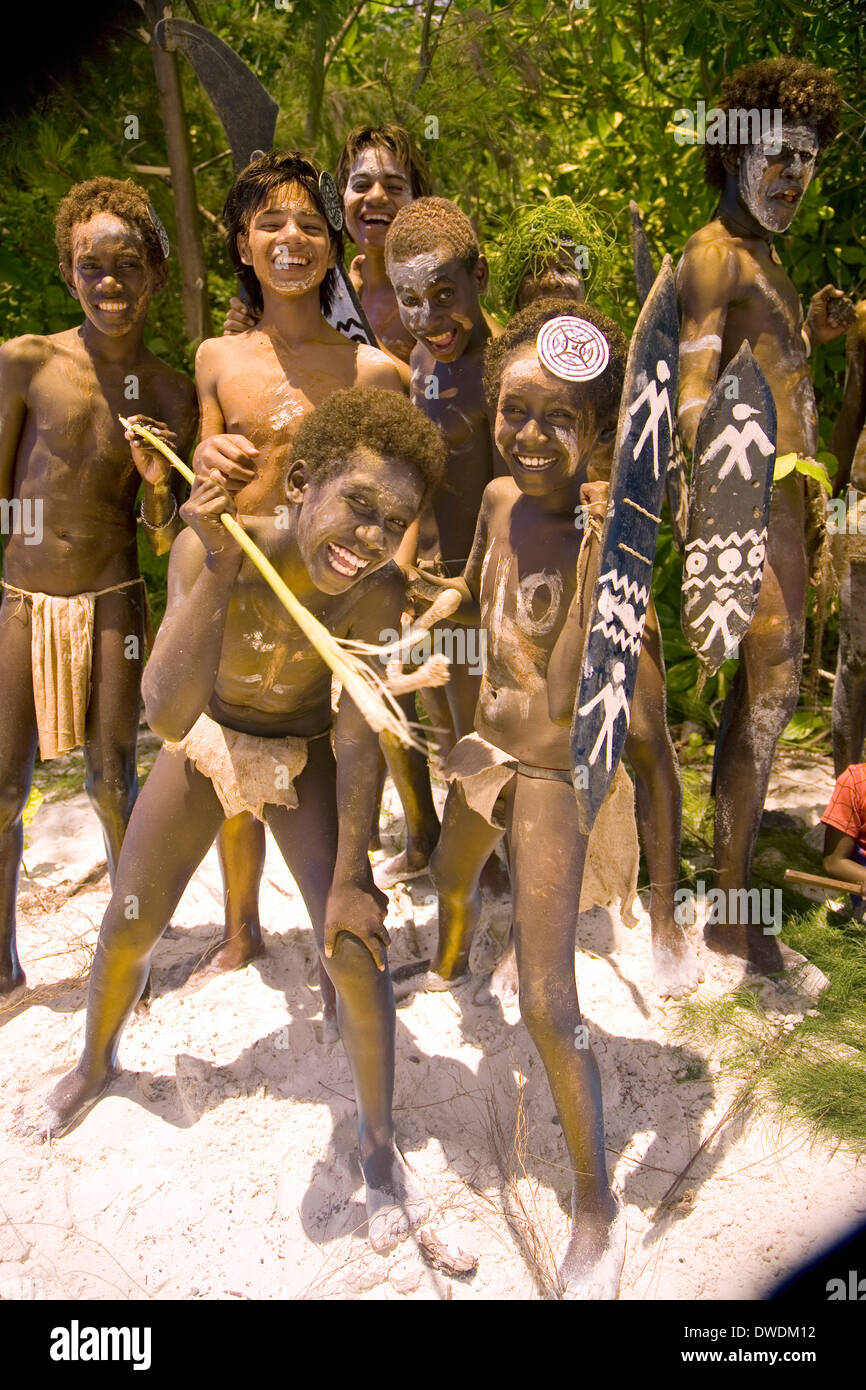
(222, 1163)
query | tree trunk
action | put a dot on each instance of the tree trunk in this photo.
(317, 76)
(193, 271)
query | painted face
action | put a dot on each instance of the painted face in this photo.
(772, 183)
(558, 280)
(438, 300)
(378, 187)
(545, 427)
(288, 245)
(111, 274)
(352, 522)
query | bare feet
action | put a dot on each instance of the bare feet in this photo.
(434, 983)
(760, 952)
(502, 984)
(396, 1205)
(65, 1107)
(400, 868)
(13, 984)
(676, 968)
(234, 951)
(330, 1027)
(593, 1259)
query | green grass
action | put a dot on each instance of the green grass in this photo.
(815, 1072)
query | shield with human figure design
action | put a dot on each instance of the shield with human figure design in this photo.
(729, 511)
(622, 590)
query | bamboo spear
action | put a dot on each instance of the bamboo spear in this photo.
(370, 693)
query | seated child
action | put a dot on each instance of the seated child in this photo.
(244, 703)
(845, 836)
(513, 775)
(73, 615)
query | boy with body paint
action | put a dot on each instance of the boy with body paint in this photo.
(72, 621)
(547, 252)
(732, 286)
(243, 702)
(435, 264)
(255, 389)
(530, 578)
(379, 171)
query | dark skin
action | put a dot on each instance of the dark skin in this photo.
(61, 445)
(255, 388)
(378, 187)
(521, 575)
(537, 417)
(438, 299)
(649, 751)
(848, 443)
(208, 656)
(839, 861)
(732, 286)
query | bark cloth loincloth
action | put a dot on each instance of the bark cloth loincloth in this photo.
(483, 771)
(248, 771)
(61, 658)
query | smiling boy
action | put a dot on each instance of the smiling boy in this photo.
(255, 388)
(380, 170)
(72, 618)
(512, 775)
(244, 703)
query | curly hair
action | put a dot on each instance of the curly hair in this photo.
(429, 224)
(398, 142)
(545, 233)
(251, 188)
(603, 391)
(801, 91)
(121, 197)
(384, 421)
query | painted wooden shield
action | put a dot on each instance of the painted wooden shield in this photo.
(729, 509)
(676, 484)
(618, 614)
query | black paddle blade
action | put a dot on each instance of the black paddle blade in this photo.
(729, 510)
(618, 612)
(247, 113)
(644, 270)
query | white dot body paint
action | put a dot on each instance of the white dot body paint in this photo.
(572, 348)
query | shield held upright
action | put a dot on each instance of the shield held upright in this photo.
(618, 614)
(729, 509)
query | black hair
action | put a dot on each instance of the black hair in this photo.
(251, 188)
(384, 421)
(603, 391)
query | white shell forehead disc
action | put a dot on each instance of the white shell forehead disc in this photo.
(572, 348)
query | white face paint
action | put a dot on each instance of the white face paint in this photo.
(772, 182)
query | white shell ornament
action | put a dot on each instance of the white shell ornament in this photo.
(572, 348)
(332, 200)
(162, 234)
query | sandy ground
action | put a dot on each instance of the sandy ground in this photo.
(222, 1164)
